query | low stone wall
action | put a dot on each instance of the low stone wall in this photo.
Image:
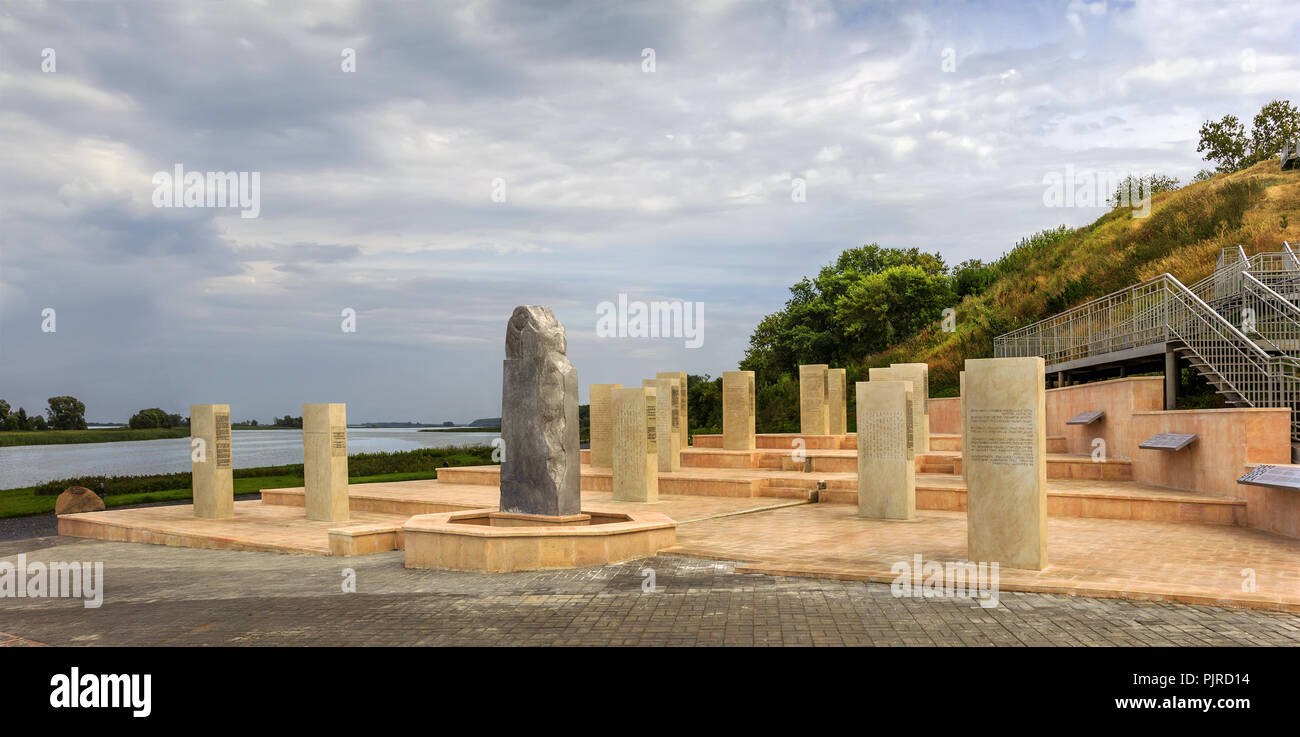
(945, 416)
(1227, 441)
(1118, 398)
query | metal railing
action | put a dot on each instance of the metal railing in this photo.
(1252, 365)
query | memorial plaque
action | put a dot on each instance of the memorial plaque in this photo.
(1168, 441)
(683, 429)
(636, 458)
(601, 414)
(225, 455)
(325, 461)
(886, 460)
(738, 410)
(1005, 448)
(1085, 418)
(211, 461)
(1276, 477)
(814, 415)
(837, 401)
(917, 374)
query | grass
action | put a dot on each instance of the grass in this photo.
(1256, 208)
(108, 435)
(25, 501)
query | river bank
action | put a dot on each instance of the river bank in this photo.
(143, 489)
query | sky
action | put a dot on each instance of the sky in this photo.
(423, 168)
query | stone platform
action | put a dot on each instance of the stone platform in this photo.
(1107, 537)
(278, 523)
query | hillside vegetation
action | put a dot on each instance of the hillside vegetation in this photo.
(875, 306)
(1257, 208)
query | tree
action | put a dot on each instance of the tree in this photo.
(36, 422)
(23, 422)
(4, 411)
(1136, 189)
(66, 413)
(1224, 143)
(972, 276)
(854, 306)
(1203, 175)
(149, 418)
(1276, 123)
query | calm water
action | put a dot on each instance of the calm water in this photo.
(26, 465)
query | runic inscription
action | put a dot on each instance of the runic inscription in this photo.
(882, 435)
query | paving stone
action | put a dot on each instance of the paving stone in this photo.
(156, 595)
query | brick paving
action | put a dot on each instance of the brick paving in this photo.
(157, 595)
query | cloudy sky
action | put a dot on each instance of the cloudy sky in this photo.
(647, 149)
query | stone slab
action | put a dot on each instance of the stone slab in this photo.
(814, 416)
(738, 410)
(837, 400)
(683, 423)
(918, 374)
(325, 461)
(211, 461)
(668, 421)
(886, 458)
(1006, 459)
(636, 447)
(602, 424)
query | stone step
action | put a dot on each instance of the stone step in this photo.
(787, 492)
(941, 441)
(601, 479)
(1140, 505)
(471, 475)
(785, 442)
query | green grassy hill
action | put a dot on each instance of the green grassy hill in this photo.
(1257, 208)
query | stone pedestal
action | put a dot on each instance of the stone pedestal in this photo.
(837, 401)
(1006, 444)
(211, 462)
(636, 450)
(539, 417)
(668, 415)
(683, 428)
(602, 424)
(886, 465)
(919, 375)
(738, 410)
(325, 461)
(813, 415)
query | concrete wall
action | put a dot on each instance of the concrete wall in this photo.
(1228, 440)
(1118, 398)
(1275, 510)
(945, 416)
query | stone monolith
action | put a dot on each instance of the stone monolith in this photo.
(539, 418)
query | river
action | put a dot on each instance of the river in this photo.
(27, 465)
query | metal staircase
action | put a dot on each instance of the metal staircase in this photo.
(1239, 328)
